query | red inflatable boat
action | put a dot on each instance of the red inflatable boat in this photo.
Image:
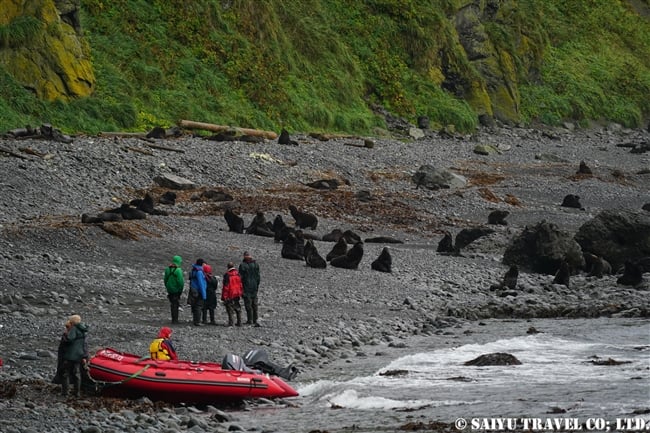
(128, 375)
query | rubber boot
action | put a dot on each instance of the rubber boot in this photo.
(254, 311)
(212, 317)
(249, 314)
(238, 318)
(174, 308)
(230, 318)
(204, 316)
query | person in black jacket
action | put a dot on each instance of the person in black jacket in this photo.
(250, 277)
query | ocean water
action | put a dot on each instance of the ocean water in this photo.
(556, 380)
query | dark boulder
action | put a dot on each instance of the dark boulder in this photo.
(616, 236)
(497, 358)
(542, 248)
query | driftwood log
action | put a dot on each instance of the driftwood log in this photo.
(12, 153)
(220, 128)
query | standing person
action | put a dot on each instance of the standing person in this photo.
(162, 347)
(75, 352)
(174, 283)
(198, 289)
(211, 297)
(231, 291)
(249, 271)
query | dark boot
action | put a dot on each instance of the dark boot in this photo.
(212, 317)
(238, 318)
(174, 308)
(230, 318)
(249, 314)
(204, 317)
(254, 312)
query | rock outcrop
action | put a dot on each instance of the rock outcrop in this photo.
(616, 236)
(43, 48)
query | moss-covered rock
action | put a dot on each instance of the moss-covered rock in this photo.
(50, 58)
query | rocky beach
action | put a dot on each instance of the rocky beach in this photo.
(110, 273)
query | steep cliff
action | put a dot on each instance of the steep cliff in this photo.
(42, 47)
(317, 64)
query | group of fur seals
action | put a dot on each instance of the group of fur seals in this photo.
(136, 209)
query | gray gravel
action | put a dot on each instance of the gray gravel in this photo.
(54, 266)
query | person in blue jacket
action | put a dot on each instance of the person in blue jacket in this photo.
(198, 291)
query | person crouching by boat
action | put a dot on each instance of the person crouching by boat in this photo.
(75, 353)
(162, 347)
(231, 291)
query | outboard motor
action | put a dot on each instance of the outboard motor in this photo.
(234, 362)
(259, 359)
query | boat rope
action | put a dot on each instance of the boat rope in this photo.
(126, 379)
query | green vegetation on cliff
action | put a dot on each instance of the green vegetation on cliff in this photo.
(322, 65)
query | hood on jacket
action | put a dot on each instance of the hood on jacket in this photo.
(164, 332)
(207, 269)
(177, 260)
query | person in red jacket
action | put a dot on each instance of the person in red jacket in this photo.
(232, 290)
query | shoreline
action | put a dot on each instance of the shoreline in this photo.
(56, 266)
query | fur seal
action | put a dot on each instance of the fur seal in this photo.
(351, 259)
(234, 221)
(632, 274)
(259, 226)
(596, 266)
(290, 248)
(562, 275)
(572, 201)
(498, 217)
(446, 244)
(303, 219)
(383, 240)
(340, 248)
(312, 258)
(384, 262)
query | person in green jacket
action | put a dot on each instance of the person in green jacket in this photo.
(75, 352)
(250, 277)
(174, 283)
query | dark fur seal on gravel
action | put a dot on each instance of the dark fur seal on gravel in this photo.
(351, 237)
(146, 204)
(290, 248)
(340, 248)
(384, 262)
(351, 259)
(129, 213)
(446, 244)
(284, 138)
(168, 197)
(596, 266)
(563, 274)
(259, 226)
(584, 168)
(509, 279)
(383, 240)
(303, 219)
(312, 258)
(572, 201)
(234, 221)
(333, 236)
(498, 217)
(632, 274)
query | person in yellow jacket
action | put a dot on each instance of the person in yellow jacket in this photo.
(162, 348)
